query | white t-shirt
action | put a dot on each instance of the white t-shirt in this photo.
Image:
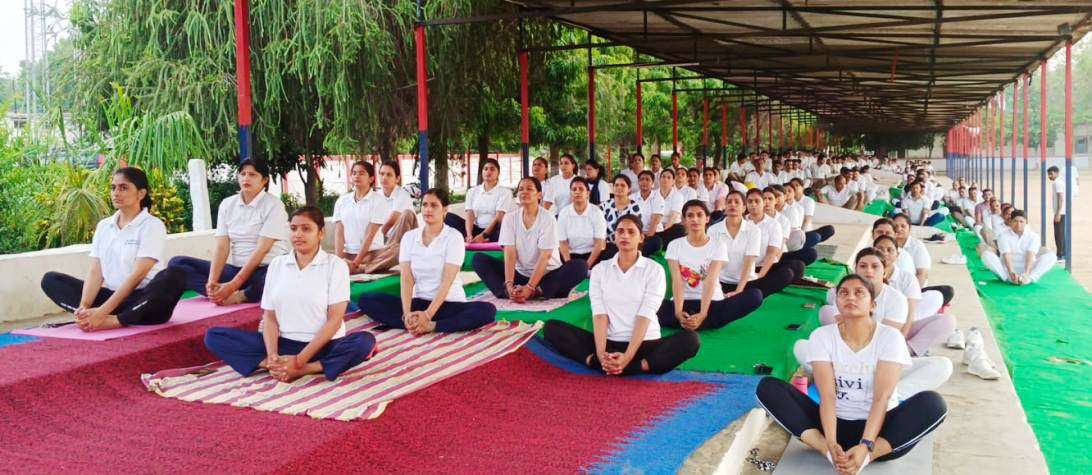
(771, 236)
(1017, 246)
(760, 181)
(632, 177)
(686, 193)
(399, 200)
(244, 223)
(906, 283)
(118, 248)
(919, 253)
(838, 198)
(747, 242)
(356, 215)
(855, 372)
(541, 236)
(673, 203)
(694, 263)
(581, 230)
(719, 191)
(808, 205)
(914, 207)
(486, 204)
(795, 213)
(427, 262)
(654, 204)
(786, 228)
(891, 305)
(560, 191)
(905, 262)
(626, 296)
(1057, 186)
(300, 297)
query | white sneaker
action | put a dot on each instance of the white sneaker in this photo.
(956, 341)
(955, 259)
(983, 368)
(974, 337)
(972, 352)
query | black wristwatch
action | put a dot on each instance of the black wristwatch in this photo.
(870, 445)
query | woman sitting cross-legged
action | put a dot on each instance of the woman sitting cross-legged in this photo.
(432, 296)
(303, 326)
(127, 284)
(360, 215)
(625, 293)
(857, 363)
(251, 229)
(581, 227)
(486, 205)
(623, 204)
(532, 265)
(696, 260)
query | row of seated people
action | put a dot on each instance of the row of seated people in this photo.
(306, 292)
(128, 285)
(869, 360)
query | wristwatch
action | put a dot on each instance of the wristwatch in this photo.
(868, 444)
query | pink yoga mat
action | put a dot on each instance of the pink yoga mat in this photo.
(483, 246)
(188, 310)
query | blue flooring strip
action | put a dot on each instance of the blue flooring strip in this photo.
(663, 446)
(7, 339)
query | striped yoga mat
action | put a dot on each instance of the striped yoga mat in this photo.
(403, 365)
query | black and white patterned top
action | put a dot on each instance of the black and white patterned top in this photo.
(612, 213)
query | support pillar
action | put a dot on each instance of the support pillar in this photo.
(674, 120)
(525, 116)
(1027, 85)
(591, 112)
(422, 99)
(705, 132)
(640, 119)
(1069, 155)
(1042, 152)
(242, 77)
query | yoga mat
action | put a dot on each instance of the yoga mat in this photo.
(544, 305)
(189, 310)
(664, 444)
(483, 246)
(765, 336)
(803, 460)
(7, 339)
(879, 208)
(467, 262)
(1044, 333)
(404, 364)
(369, 277)
(517, 414)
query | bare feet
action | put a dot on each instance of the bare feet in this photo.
(235, 298)
(94, 322)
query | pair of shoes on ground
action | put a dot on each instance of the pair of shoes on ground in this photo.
(955, 259)
(974, 353)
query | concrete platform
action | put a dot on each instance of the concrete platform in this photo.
(986, 430)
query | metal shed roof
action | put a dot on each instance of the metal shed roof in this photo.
(895, 64)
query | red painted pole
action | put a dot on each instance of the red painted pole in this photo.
(1068, 219)
(591, 113)
(1027, 85)
(704, 131)
(769, 131)
(758, 129)
(674, 121)
(525, 115)
(242, 76)
(743, 126)
(640, 119)
(1042, 152)
(422, 103)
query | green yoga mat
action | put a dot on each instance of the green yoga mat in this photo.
(879, 208)
(1046, 336)
(765, 336)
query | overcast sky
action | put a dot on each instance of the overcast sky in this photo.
(12, 32)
